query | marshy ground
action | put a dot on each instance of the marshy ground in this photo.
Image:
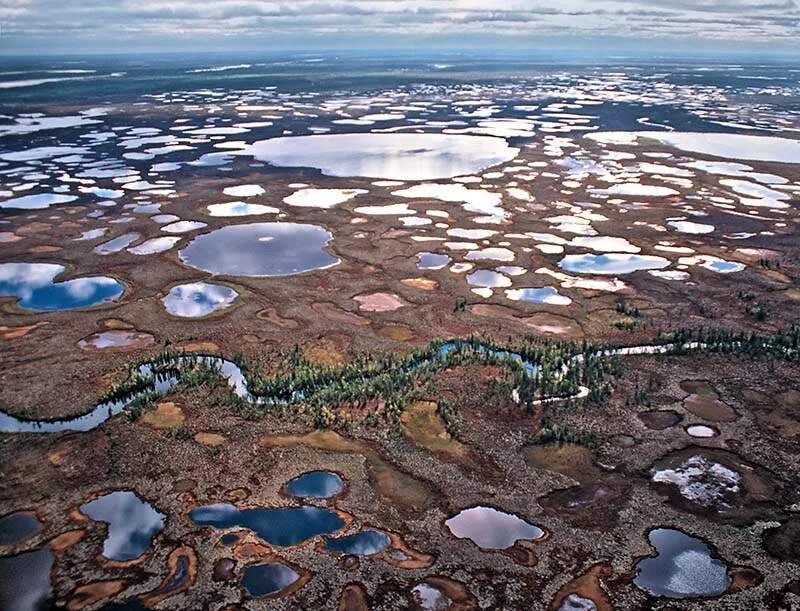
(670, 483)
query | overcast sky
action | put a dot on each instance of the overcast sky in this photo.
(133, 25)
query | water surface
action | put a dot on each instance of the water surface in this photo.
(25, 581)
(682, 568)
(261, 250)
(268, 579)
(386, 156)
(132, 523)
(315, 484)
(33, 284)
(545, 295)
(490, 528)
(611, 264)
(198, 299)
(284, 526)
(364, 543)
(18, 526)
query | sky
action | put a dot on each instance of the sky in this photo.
(737, 26)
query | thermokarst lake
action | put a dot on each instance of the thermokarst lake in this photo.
(429, 330)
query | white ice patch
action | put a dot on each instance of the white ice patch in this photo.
(244, 191)
(321, 198)
(703, 482)
(727, 146)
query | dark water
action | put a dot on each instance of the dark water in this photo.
(277, 526)
(365, 543)
(16, 527)
(315, 484)
(266, 579)
(25, 581)
(229, 539)
(120, 77)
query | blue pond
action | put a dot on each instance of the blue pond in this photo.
(198, 299)
(315, 484)
(261, 250)
(365, 543)
(611, 263)
(283, 526)
(33, 285)
(724, 267)
(432, 260)
(229, 539)
(16, 527)
(545, 294)
(132, 524)
(267, 579)
(682, 568)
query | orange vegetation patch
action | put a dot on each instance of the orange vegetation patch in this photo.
(44, 248)
(402, 556)
(212, 440)
(423, 284)
(251, 551)
(422, 424)
(65, 541)
(117, 324)
(744, 578)
(34, 228)
(568, 459)
(166, 415)
(237, 494)
(9, 333)
(587, 587)
(399, 333)
(209, 347)
(323, 353)
(92, 593)
(7, 237)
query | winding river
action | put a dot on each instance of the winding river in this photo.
(162, 378)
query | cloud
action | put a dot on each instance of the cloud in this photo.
(83, 23)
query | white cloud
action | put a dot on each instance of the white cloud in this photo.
(124, 21)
